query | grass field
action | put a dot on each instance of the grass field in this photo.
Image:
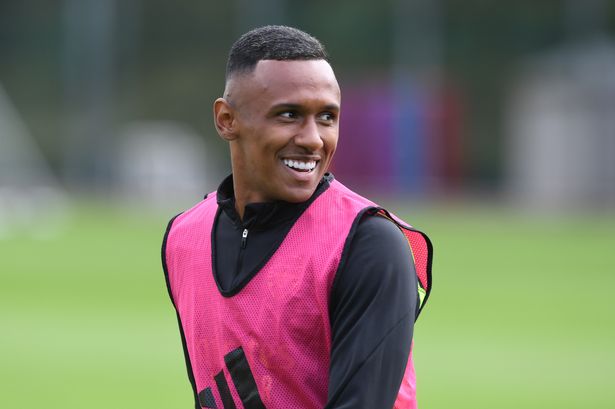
(522, 314)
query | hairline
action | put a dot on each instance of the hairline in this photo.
(250, 69)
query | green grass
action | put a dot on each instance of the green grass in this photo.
(521, 315)
(87, 320)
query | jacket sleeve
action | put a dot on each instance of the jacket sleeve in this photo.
(374, 302)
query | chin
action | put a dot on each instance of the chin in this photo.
(299, 195)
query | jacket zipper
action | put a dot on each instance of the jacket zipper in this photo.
(244, 242)
(244, 238)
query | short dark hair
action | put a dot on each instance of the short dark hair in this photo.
(280, 43)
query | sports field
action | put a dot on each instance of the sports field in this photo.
(522, 314)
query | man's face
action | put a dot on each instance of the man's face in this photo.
(286, 129)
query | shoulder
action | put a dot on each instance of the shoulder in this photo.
(376, 236)
(379, 242)
(377, 229)
(196, 213)
(377, 249)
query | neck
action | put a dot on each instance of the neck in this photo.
(240, 208)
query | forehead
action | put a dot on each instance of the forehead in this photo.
(274, 81)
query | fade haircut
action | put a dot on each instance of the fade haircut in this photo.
(280, 43)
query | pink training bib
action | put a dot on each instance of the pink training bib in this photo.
(268, 346)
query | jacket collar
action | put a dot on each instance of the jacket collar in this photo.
(264, 215)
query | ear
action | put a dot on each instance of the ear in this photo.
(225, 119)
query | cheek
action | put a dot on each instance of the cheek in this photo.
(262, 159)
(330, 141)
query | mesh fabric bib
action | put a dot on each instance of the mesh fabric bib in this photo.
(268, 345)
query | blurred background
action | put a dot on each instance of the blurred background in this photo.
(489, 125)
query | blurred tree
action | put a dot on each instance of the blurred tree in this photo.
(165, 60)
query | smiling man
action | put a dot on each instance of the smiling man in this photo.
(281, 120)
(292, 291)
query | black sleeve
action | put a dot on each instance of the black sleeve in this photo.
(374, 302)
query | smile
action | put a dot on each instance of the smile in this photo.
(302, 166)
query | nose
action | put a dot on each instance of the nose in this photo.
(309, 136)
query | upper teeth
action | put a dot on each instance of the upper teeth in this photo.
(310, 165)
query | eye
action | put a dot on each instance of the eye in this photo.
(288, 114)
(327, 117)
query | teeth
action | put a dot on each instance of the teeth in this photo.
(295, 164)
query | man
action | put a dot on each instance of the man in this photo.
(292, 291)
